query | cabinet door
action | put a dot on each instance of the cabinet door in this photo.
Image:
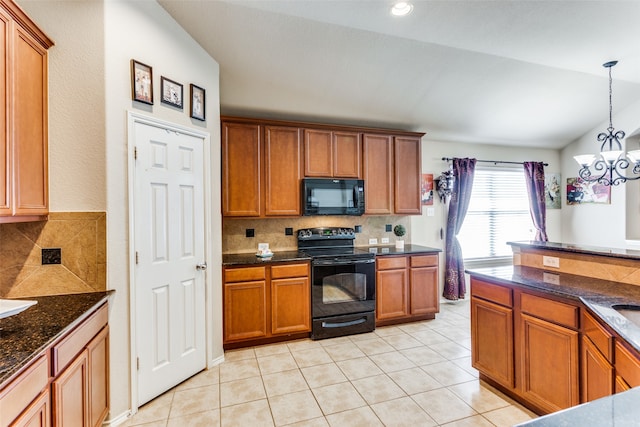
(5, 152)
(290, 305)
(30, 123)
(98, 362)
(492, 351)
(627, 366)
(241, 169)
(346, 155)
(424, 291)
(318, 153)
(407, 175)
(549, 364)
(283, 171)
(378, 173)
(391, 294)
(70, 395)
(38, 413)
(245, 310)
(597, 373)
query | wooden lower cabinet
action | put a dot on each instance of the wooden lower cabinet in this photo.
(549, 364)
(38, 414)
(627, 367)
(266, 302)
(492, 340)
(597, 374)
(71, 394)
(98, 377)
(406, 288)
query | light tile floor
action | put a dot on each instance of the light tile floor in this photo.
(416, 374)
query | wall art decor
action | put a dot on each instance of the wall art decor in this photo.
(172, 93)
(141, 82)
(426, 189)
(581, 192)
(552, 196)
(197, 103)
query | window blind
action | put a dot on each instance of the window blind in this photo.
(498, 213)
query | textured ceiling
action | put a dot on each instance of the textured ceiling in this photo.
(518, 73)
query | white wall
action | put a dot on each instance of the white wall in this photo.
(599, 224)
(90, 94)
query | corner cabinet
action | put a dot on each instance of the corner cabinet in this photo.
(24, 178)
(266, 303)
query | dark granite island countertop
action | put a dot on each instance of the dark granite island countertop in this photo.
(25, 335)
(579, 249)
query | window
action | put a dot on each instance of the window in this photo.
(498, 213)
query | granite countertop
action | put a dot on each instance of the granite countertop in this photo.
(25, 335)
(620, 409)
(579, 249)
(597, 294)
(288, 256)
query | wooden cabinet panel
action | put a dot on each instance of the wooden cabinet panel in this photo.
(245, 274)
(549, 364)
(391, 294)
(391, 262)
(6, 169)
(424, 261)
(378, 173)
(283, 171)
(492, 292)
(318, 153)
(627, 365)
(290, 305)
(289, 270)
(492, 350)
(553, 311)
(423, 295)
(597, 377)
(70, 395)
(241, 169)
(245, 310)
(347, 155)
(598, 335)
(98, 377)
(38, 414)
(407, 175)
(23, 390)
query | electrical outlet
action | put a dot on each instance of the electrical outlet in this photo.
(387, 227)
(250, 232)
(288, 231)
(384, 240)
(431, 211)
(357, 229)
(373, 241)
(51, 256)
(551, 261)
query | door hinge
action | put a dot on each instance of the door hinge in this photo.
(138, 363)
(137, 257)
(135, 153)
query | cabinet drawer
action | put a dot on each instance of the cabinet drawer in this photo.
(246, 274)
(290, 270)
(424, 261)
(553, 311)
(23, 390)
(66, 350)
(388, 263)
(491, 292)
(627, 366)
(599, 336)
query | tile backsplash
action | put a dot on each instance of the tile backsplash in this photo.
(81, 236)
(272, 231)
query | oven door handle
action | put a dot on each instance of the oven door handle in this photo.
(338, 261)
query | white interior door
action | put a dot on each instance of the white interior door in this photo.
(170, 260)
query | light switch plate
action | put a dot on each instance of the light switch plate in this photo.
(551, 261)
(373, 241)
(384, 240)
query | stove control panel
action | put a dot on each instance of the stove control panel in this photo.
(324, 233)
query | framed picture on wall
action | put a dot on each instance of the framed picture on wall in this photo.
(197, 102)
(141, 82)
(172, 93)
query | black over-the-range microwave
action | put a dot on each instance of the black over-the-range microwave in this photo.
(327, 196)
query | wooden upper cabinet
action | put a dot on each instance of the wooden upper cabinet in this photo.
(332, 154)
(241, 169)
(283, 170)
(24, 178)
(407, 155)
(378, 174)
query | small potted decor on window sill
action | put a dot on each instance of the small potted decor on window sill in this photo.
(399, 231)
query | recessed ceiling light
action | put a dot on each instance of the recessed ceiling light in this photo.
(401, 8)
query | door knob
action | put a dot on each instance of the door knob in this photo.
(202, 266)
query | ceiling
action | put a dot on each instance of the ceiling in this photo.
(514, 73)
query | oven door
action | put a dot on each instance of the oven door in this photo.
(342, 286)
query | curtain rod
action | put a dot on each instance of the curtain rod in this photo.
(448, 159)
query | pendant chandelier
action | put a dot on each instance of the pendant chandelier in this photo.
(608, 166)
